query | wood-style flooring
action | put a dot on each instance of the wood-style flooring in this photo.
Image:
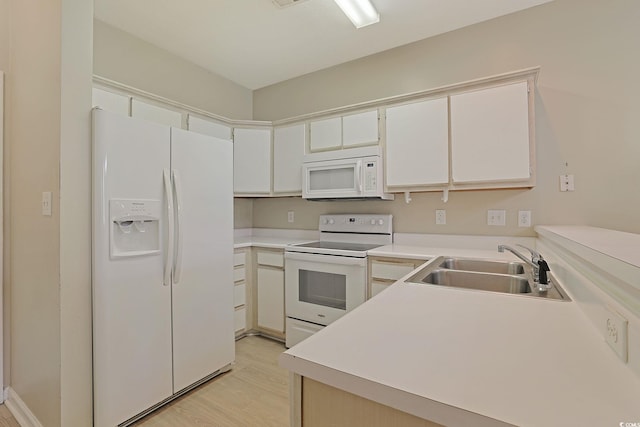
(6, 419)
(254, 393)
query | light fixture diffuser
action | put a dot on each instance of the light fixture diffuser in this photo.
(360, 12)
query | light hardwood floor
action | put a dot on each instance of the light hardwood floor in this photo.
(254, 393)
(6, 419)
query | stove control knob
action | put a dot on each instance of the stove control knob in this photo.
(331, 221)
(324, 221)
(380, 222)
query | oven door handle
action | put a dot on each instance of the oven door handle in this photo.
(325, 259)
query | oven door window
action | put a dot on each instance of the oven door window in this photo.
(321, 288)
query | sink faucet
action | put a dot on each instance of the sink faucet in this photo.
(539, 265)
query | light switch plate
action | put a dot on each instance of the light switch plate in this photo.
(441, 216)
(290, 216)
(567, 183)
(46, 203)
(615, 333)
(497, 217)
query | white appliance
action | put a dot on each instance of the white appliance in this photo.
(354, 173)
(162, 264)
(326, 279)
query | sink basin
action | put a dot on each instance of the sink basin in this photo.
(480, 281)
(477, 274)
(483, 266)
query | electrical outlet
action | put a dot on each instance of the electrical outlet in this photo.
(524, 218)
(290, 216)
(441, 216)
(615, 333)
(496, 217)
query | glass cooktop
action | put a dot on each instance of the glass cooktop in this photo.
(343, 246)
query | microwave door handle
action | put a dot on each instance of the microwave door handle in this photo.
(359, 176)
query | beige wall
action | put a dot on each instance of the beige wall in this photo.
(242, 213)
(586, 111)
(34, 146)
(45, 48)
(126, 59)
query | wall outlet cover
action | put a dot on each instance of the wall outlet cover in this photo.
(615, 333)
(524, 218)
(290, 216)
(441, 216)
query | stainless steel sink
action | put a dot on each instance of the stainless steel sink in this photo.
(480, 281)
(492, 276)
(483, 266)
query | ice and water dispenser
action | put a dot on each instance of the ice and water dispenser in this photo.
(135, 227)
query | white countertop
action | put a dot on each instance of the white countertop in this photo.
(462, 357)
(272, 238)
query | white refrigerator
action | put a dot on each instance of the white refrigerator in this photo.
(162, 263)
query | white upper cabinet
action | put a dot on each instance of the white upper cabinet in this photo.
(417, 144)
(252, 161)
(155, 113)
(110, 101)
(344, 132)
(490, 135)
(288, 151)
(360, 129)
(326, 134)
(208, 127)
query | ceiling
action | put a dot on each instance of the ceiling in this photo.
(256, 43)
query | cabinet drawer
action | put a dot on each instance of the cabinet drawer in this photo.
(238, 259)
(240, 319)
(378, 286)
(239, 294)
(274, 259)
(389, 270)
(239, 274)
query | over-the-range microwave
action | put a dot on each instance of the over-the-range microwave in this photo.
(351, 174)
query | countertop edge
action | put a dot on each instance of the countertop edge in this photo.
(418, 406)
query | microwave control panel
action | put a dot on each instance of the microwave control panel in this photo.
(370, 175)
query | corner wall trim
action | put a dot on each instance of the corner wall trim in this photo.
(20, 410)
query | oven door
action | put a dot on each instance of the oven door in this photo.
(322, 288)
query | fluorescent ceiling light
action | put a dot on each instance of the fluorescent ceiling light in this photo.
(360, 12)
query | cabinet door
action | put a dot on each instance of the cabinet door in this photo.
(490, 134)
(417, 144)
(326, 134)
(208, 127)
(360, 129)
(252, 161)
(271, 298)
(155, 113)
(110, 101)
(288, 151)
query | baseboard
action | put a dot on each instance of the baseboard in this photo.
(20, 410)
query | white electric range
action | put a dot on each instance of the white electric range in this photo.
(326, 279)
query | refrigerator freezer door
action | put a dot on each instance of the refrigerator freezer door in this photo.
(131, 306)
(203, 330)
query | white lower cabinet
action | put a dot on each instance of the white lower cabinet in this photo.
(270, 292)
(385, 271)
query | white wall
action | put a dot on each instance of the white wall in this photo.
(586, 113)
(126, 59)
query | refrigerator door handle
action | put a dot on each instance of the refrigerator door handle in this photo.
(177, 188)
(168, 262)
